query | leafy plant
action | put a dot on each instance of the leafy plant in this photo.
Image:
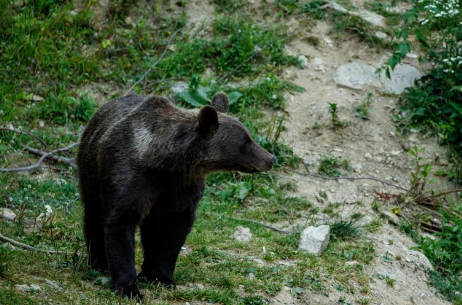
(314, 9)
(362, 111)
(333, 167)
(287, 6)
(198, 96)
(420, 172)
(336, 122)
(435, 103)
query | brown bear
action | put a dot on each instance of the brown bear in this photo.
(143, 161)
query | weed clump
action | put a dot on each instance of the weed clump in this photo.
(332, 167)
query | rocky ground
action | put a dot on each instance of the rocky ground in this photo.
(342, 72)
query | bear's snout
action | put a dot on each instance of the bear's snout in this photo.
(266, 161)
(273, 160)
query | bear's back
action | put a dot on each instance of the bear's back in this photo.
(103, 119)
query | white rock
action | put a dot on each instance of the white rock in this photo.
(419, 258)
(179, 87)
(402, 77)
(314, 240)
(7, 214)
(34, 287)
(368, 155)
(318, 64)
(329, 42)
(395, 10)
(251, 276)
(392, 217)
(53, 284)
(412, 55)
(303, 60)
(200, 286)
(381, 35)
(22, 288)
(242, 234)
(357, 75)
(368, 16)
(318, 197)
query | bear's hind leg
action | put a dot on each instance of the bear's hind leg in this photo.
(94, 231)
(162, 237)
(120, 250)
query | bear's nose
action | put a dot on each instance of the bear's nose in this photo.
(273, 160)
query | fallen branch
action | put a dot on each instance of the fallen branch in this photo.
(263, 225)
(38, 164)
(27, 247)
(63, 160)
(439, 195)
(255, 222)
(347, 178)
(25, 133)
(154, 65)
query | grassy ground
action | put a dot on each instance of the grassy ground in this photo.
(50, 51)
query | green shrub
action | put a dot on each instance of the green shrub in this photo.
(436, 102)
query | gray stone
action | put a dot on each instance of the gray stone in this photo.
(314, 240)
(34, 287)
(381, 35)
(419, 258)
(303, 60)
(53, 284)
(21, 288)
(7, 214)
(318, 64)
(242, 234)
(355, 75)
(358, 76)
(402, 77)
(179, 87)
(372, 18)
(251, 276)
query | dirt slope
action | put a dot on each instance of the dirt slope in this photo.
(372, 147)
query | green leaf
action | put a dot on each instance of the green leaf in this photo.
(201, 92)
(193, 99)
(233, 97)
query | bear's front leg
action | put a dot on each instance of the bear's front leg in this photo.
(163, 236)
(120, 250)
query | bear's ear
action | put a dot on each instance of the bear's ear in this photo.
(220, 102)
(208, 119)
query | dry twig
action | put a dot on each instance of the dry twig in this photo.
(63, 160)
(27, 247)
(38, 164)
(25, 133)
(347, 178)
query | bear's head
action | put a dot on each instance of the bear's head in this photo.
(229, 143)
